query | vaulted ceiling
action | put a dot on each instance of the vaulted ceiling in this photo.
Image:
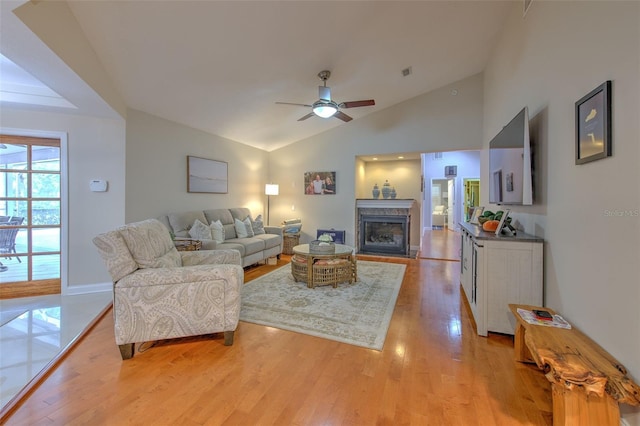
(221, 66)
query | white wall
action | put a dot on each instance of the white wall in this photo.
(588, 214)
(436, 121)
(157, 151)
(96, 149)
(403, 175)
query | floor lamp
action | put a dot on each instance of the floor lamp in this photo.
(270, 189)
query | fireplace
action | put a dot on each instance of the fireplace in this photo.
(384, 227)
(384, 235)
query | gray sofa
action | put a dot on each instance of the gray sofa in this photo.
(252, 249)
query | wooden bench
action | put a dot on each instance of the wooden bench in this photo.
(587, 383)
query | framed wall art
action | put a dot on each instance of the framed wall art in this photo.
(320, 183)
(593, 125)
(205, 175)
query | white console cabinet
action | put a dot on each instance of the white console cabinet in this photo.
(496, 271)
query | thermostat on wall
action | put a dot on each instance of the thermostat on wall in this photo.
(98, 185)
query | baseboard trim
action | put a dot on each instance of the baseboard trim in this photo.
(87, 288)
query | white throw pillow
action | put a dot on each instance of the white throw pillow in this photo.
(217, 231)
(248, 226)
(258, 226)
(241, 229)
(200, 231)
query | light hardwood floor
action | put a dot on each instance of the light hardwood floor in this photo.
(434, 370)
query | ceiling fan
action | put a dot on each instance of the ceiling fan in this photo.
(325, 107)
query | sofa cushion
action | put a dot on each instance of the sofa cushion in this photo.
(257, 225)
(150, 244)
(230, 232)
(248, 226)
(208, 245)
(223, 215)
(251, 245)
(200, 231)
(241, 229)
(116, 255)
(240, 213)
(181, 223)
(217, 231)
(233, 245)
(270, 240)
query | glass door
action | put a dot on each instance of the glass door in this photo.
(30, 224)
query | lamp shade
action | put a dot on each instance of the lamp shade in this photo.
(271, 189)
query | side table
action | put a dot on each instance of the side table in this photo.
(187, 244)
(289, 241)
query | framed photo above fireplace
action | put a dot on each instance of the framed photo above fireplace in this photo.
(320, 183)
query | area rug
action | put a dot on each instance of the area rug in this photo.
(357, 313)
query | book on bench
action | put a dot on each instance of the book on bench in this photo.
(531, 318)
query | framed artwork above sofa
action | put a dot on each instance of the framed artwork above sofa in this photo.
(204, 175)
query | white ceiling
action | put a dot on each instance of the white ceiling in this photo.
(220, 66)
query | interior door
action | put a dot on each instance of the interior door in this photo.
(451, 217)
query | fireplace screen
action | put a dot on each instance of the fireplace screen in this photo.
(383, 234)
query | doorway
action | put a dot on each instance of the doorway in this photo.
(439, 203)
(30, 216)
(471, 196)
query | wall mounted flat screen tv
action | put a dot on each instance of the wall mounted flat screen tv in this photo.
(510, 172)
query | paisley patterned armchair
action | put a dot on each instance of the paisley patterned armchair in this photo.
(161, 293)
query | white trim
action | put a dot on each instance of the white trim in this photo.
(385, 204)
(89, 288)
(64, 194)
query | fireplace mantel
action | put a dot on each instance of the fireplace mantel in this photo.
(385, 204)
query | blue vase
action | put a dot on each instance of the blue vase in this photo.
(386, 190)
(376, 191)
(393, 193)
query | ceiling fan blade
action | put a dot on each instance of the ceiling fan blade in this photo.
(354, 104)
(289, 103)
(342, 116)
(306, 116)
(324, 93)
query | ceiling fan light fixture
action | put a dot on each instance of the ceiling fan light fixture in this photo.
(325, 109)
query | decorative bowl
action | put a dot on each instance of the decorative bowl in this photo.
(322, 247)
